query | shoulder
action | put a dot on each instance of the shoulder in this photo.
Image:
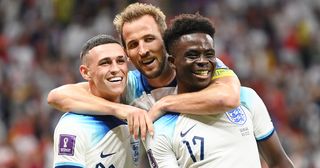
(247, 95)
(166, 124)
(90, 123)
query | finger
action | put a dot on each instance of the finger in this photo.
(130, 124)
(149, 125)
(143, 127)
(136, 127)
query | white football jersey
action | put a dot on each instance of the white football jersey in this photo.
(93, 141)
(219, 141)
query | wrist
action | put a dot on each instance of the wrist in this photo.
(164, 103)
(120, 111)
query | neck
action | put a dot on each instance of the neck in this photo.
(93, 90)
(164, 79)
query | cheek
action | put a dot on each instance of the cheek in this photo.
(184, 70)
(124, 69)
(100, 73)
(156, 46)
(213, 63)
(131, 53)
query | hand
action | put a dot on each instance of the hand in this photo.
(138, 120)
(155, 111)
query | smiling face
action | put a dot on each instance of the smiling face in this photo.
(144, 45)
(106, 70)
(193, 58)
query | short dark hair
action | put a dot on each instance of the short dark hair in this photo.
(186, 24)
(96, 41)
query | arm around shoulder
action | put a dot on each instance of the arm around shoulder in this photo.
(222, 95)
(77, 98)
(61, 97)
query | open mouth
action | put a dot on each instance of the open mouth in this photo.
(148, 61)
(115, 79)
(202, 72)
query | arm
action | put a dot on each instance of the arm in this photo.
(77, 98)
(273, 153)
(222, 95)
(265, 134)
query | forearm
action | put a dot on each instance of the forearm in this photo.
(219, 97)
(77, 98)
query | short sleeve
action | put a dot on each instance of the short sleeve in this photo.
(69, 145)
(262, 124)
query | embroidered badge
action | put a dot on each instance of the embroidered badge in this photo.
(66, 144)
(237, 116)
(135, 149)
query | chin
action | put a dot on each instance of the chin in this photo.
(199, 86)
(152, 74)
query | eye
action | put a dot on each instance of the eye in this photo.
(104, 62)
(192, 55)
(132, 45)
(121, 61)
(149, 39)
(210, 54)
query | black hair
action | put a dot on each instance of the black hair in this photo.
(186, 24)
(96, 41)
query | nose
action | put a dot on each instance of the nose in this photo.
(114, 68)
(202, 61)
(143, 50)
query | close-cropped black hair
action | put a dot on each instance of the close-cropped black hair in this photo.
(187, 24)
(96, 41)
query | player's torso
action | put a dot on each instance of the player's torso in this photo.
(224, 140)
(92, 142)
(113, 151)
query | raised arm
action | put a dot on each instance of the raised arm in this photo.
(77, 98)
(222, 95)
(273, 153)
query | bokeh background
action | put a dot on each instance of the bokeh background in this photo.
(272, 45)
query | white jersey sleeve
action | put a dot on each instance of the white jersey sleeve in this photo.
(92, 141)
(66, 151)
(159, 149)
(262, 124)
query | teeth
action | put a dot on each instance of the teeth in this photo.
(202, 72)
(147, 61)
(115, 79)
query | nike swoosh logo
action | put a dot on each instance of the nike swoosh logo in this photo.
(184, 134)
(106, 155)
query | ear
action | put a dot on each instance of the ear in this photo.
(85, 73)
(171, 61)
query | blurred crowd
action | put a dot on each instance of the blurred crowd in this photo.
(272, 45)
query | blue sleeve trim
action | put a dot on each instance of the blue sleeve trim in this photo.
(167, 123)
(68, 165)
(266, 136)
